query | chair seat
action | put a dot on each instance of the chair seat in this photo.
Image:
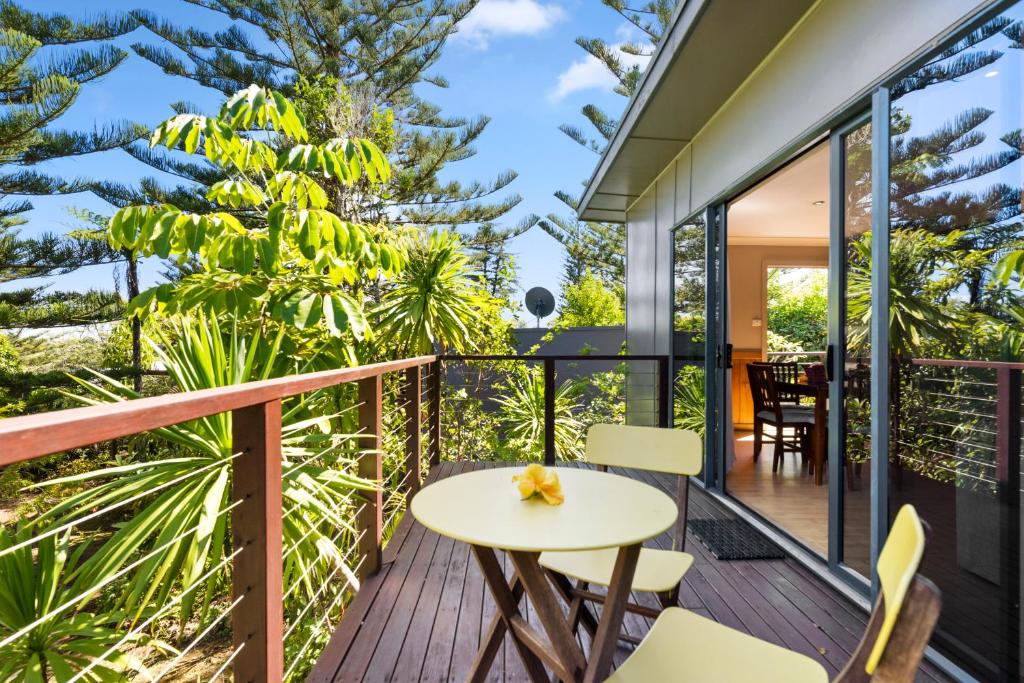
(683, 646)
(790, 415)
(657, 571)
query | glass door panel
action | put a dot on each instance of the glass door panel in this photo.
(688, 326)
(851, 369)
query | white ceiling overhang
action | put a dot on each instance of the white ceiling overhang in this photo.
(711, 48)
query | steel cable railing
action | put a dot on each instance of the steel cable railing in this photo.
(279, 484)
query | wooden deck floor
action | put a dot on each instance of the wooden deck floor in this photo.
(420, 618)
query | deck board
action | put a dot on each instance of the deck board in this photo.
(422, 616)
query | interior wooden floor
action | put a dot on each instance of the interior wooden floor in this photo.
(790, 499)
(420, 618)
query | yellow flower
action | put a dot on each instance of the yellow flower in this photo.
(538, 480)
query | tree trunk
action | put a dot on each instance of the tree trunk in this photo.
(132, 278)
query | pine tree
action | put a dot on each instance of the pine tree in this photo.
(34, 93)
(596, 246)
(351, 67)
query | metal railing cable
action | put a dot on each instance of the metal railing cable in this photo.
(176, 600)
(227, 662)
(198, 639)
(92, 590)
(118, 505)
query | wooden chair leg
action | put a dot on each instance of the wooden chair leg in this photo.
(669, 598)
(577, 608)
(758, 437)
(779, 446)
(579, 613)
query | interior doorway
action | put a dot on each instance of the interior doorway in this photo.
(776, 264)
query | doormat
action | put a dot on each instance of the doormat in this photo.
(734, 539)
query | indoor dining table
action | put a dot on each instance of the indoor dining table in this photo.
(601, 510)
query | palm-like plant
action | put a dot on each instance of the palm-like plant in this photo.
(523, 416)
(434, 300)
(689, 404)
(918, 260)
(183, 528)
(40, 608)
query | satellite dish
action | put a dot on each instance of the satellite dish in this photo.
(540, 302)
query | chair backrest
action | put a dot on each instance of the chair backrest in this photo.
(897, 564)
(676, 451)
(816, 375)
(762, 387)
(906, 611)
(786, 372)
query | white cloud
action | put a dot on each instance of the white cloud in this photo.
(590, 74)
(501, 18)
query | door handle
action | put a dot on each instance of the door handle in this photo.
(728, 356)
(830, 356)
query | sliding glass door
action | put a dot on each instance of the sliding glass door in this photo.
(849, 348)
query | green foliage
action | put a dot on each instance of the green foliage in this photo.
(39, 595)
(924, 268)
(593, 245)
(588, 303)
(10, 358)
(35, 93)
(184, 526)
(433, 301)
(798, 308)
(688, 406)
(599, 248)
(354, 71)
(522, 416)
(117, 345)
(288, 256)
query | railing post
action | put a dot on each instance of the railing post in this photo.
(436, 371)
(664, 393)
(370, 517)
(413, 427)
(549, 411)
(1008, 435)
(258, 620)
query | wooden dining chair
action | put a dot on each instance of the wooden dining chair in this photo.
(769, 410)
(790, 373)
(674, 451)
(682, 646)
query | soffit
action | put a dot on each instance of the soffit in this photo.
(711, 49)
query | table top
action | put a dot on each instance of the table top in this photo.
(601, 510)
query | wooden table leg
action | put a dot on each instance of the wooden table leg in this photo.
(549, 612)
(491, 642)
(603, 648)
(508, 608)
(820, 430)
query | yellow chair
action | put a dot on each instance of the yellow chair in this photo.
(682, 646)
(674, 451)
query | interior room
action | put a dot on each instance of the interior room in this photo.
(779, 230)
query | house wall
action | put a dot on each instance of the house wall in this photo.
(827, 63)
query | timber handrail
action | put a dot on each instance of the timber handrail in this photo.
(33, 436)
(257, 513)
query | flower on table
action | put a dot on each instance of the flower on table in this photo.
(538, 480)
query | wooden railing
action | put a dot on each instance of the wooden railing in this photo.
(256, 515)
(972, 423)
(256, 512)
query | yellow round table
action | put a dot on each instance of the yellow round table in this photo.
(601, 510)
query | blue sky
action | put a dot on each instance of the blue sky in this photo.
(514, 61)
